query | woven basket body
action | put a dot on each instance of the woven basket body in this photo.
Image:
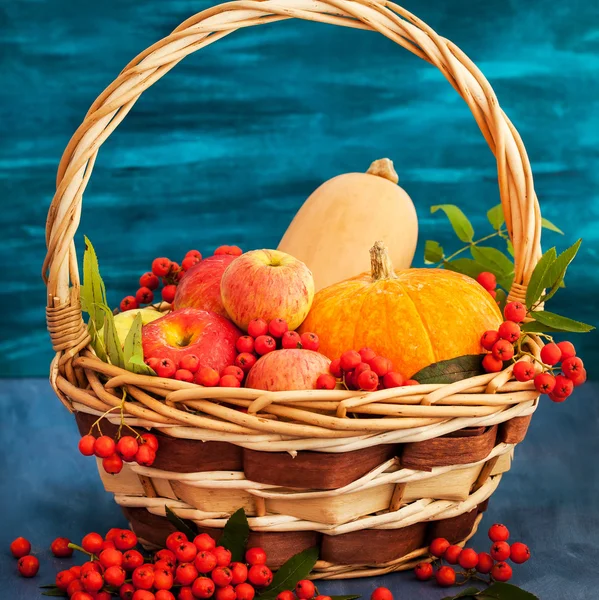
(306, 471)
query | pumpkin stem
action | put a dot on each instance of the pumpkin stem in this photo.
(381, 265)
(383, 167)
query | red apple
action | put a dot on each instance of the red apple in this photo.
(287, 369)
(267, 284)
(200, 286)
(187, 331)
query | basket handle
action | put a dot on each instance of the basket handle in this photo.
(518, 198)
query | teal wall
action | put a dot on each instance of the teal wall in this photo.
(228, 145)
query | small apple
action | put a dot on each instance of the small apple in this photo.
(287, 369)
(267, 284)
(187, 331)
(200, 286)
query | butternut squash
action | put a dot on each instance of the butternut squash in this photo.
(336, 226)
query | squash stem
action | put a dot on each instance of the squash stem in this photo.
(381, 265)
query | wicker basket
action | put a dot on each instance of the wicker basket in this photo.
(425, 461)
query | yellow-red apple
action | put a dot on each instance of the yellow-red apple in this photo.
(267, 284)
(200, 286)
(191, 331)
(287, 369)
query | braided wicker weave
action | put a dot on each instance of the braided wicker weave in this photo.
(305, 422)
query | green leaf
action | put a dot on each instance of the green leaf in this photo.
(536, 285)
(547, 224)
(471, 591)
(492, 260)
(93, 292)
(561, 323)
(48, 586)
(133, 349)
(235, 535)
(114, 350)
(557, 270)
(495, 216)
(510, 247)
(505, 591)
(501, 298)
(454, 369)
(350, 597)
(466, 266)
(298, 567)
(184, 525)
(97, 341)
(536, 327)
(459, 221)
(433, 252)
(55, 593)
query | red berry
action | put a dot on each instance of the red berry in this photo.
(245, 361)
(92, 581)
(452, 554)
(112, 464)
(163, 579)
(572, 367)
(485, 563)
(257, 327)
(83, 596)
(223, 556)
(310, 341)
(184, 375)
(524, 371)
(350, 360)
(285, 595)
(335, 368)
(244, 591)
(245, 343)
(393, 379)
(514, 311)
(115, 576)
(492, 364)
(190, 362)
(501, 572)
(468, 558)
(128, 303)
(380, 365)
(487, 280)
(188, 262)
(264, 344)
(149, 439)
(144, 295)
(185, 593)
(168, 293)
(502, 350)
(255, 556)
(509, 331)
(166, 553)
(519, 553)
(277, 327)
(166, 368)
(161, 267)
(111, 557)
(563, 388)
(104, 447)
(326, 382)
(164, 595)
(438, 547)
(195, 253)
(20, 547)
(367, 354)
(259, 575)
(132, 559)
(126, 591)
(186, 574)
(233, 370)
(74, 587)
(489, 338)
(567, 349)
(222, 576)
(203, 587)
(498, 533)
(349, 379)
(91, 565)
(423, 571)
(125, 539)
(86, 445)
(143, 577)
(143, 595)
(207, 377)
(544, 383)
(500, 551)
(381, 593)
(291, 340)
(92, 542)
(551, 354)
(360, 369)
(445, 576)
(127, 448)
(186, 552)
(232, 250)
(321, 597)
(165, 564)
(204, 543)
(149, 280)
(108, 544)
(229, 381)
(225, 593)
(64, 579)
(205, 561)
(239, 573)
(305, 589)
(580, 378)
(145, 456)
(28, 566)
(368, 381)
(152, 362)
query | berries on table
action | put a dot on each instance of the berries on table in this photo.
(110, 557)
(498, 533)
(514, 311)
(239, 573)
(222, 576)
(204, 543)
(164, 595)
(92, 581)
(203, 587)
(125, 539)
(551, 354)
(423, 571)
(509, 331)
(20, 547)
(255, 556)
(244, 591)
(64, 579)
(285, 595)
(115, 576)
(305, 590)
(524, 371)
(225, 593)
(223, 556)
(163, 579)
(519, 553)
(128, 303)
(501, 572)
(186, 552)
(500, 551)
(544, 383)
(132, 559)
(485, 563)
(438, 547)
(28, 566)
(468, 558)
(452, 554)
(445, 576)
(205, 561)
(92, 542)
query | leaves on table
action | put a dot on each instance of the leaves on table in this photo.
(298, 567)
(235, 535)
(459, 221)
(350, 597)
(184, 525)
(468, 592)
(496, 591)
(449, 371)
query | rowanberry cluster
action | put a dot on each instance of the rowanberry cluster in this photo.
(28, 564)
(489, 282)
(491, 563)
(504, 345)
(362, 370)
(304, 590)
(168, 273)
(140, 449)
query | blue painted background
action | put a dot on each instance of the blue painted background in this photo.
(227, 147)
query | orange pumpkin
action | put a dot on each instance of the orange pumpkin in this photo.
(415, 317)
